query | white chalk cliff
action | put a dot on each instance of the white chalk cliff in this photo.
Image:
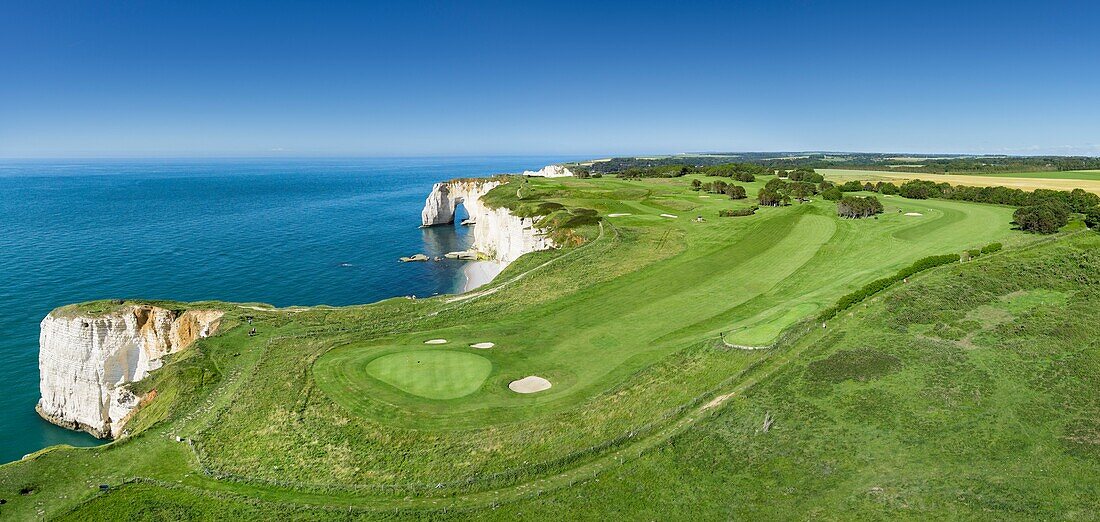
(549, 171)
(85, 361)
(497, 233)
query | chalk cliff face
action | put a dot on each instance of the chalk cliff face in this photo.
(549, 171)
(497, 233)
(85, 361)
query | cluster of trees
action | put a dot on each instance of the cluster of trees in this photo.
(663, 171)
(1076, 200)
(1042, 211)
(744, 172)
(858, 207)
(803, 174)
(835, 192)
(736, 212)
(720, 187)
(778, 192)
(584, 173)
(772, 198)
(1042, 218)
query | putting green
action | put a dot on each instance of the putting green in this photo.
(432, 374)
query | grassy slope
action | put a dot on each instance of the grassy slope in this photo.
(968, 394)
(649, 297)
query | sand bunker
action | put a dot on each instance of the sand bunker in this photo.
(482, 346)
(530, 384)
(668, 215)
(436, 341)
(913, 214)
(617, 215)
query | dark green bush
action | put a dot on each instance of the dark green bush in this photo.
(1092, 218)
(737, 212)
(992, 247)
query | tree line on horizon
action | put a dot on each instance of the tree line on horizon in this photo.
(922, 163)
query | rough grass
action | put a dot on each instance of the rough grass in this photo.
(870, 421)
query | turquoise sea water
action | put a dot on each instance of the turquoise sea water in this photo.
(285, 232)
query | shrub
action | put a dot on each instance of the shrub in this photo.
(991, 248)
(1092, 218)
(888, 189)
(832, 194)
(737, 212)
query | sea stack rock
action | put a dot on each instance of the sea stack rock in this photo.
(498, 234)
(85, 360)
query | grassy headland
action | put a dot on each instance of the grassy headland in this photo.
(914, 401)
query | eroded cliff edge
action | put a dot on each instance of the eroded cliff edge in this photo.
(85, 360)
(497, 232)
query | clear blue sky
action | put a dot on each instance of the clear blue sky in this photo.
(352, 78)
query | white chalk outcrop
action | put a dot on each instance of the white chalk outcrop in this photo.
(549, 171)
(85, 361)
(497, 233)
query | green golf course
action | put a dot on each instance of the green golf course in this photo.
(660, 326)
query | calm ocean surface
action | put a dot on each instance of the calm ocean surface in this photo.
(285, 232)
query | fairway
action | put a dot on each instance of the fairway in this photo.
(431, 374)
(1087, 180)
(741, 280)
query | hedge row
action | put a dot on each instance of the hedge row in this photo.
(879, 285)
(737, 212)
